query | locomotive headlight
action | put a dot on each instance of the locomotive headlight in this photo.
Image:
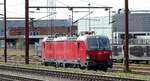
(88, 56)
(110, 56)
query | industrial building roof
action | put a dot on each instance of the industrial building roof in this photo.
(35, 23)
(38, 23)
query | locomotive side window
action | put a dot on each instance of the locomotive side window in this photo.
(78, 44)
(44, 45)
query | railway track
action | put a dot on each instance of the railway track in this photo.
(15, 78)
(133, 68)
(116, 67)
(66, 75)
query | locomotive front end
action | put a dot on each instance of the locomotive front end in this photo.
(98, 52)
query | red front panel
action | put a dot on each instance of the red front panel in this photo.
(99, 55)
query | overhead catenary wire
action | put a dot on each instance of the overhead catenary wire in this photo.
(62, 3)
(15, 13)
(19, 3)
(92, 3)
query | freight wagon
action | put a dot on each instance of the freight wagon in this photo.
(139, 50)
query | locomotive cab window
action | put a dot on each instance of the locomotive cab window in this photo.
(92, 43)
(98, 43)
(104, 43)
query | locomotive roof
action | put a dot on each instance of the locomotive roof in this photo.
(84, 37)
(64, 38)
(61, 38)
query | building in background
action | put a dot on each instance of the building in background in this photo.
(37, 30)
(139, 24)
(100, 25)
(139, 35)
(42, 27)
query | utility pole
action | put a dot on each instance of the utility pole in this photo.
(109, 17)
(5, 36)
(89, 18)
(27, 31)
(70, 29)
(71, 23)
(126, 56)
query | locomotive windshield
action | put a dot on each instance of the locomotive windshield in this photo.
(98, 43)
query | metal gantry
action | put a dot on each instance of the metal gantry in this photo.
(72, 9)
(84, 7)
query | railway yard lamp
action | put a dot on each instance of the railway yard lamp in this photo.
(89, 18)
(70, 29)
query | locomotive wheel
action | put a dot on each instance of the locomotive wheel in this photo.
(56, 64)
(95, 68)
(60, 64)
(104, 69)
(64, 65)
(82, 67)
(90, 68)
(75, 66)
(147, 62)
(45, 63)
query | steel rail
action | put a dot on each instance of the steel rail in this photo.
(15, 78)
(144, 71)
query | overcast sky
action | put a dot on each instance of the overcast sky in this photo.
(15, 8)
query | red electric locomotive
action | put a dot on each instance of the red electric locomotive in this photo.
(84, 51)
